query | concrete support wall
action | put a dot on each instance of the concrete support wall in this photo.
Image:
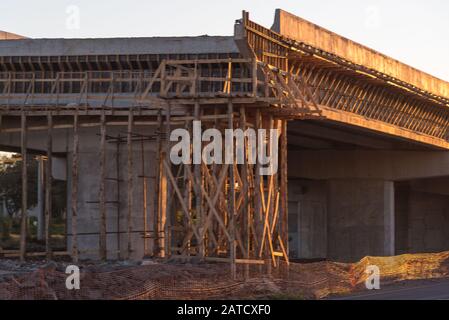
(360, 219)
(428, 222)
(89, 185)
(422, 216)
(307, 219)
(402, 208)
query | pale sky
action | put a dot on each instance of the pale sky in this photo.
(415, 31)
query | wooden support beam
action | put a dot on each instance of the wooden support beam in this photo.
(130, 189)
(284, 185)
(102, 155)
(74, 196)
(165, 213)
(48, 185)
(231, 198)
(24, 217)
(159, 169)
(144, 198)
(197, 186)
(246, 193)
(258, 190)
(118, 196)
(188, 202)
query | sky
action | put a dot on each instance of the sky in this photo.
(415, 32)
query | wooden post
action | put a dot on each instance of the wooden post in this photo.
(103, 249)
(158, 188)
(231, 198)
(258, 217)
(254, 79)
(188, 198)
(118, 212)
(48, 185)
(245, 189)
(284, 187)
(130, 181)
(272, 191)
(144, 197)
(166, 216)
(75, 188)
(24, 218)
(197, 188)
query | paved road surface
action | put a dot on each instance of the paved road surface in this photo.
(407, 290)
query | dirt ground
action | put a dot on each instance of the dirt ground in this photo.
(152, 280)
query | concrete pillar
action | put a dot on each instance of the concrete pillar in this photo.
(360, 219)
(307, 219)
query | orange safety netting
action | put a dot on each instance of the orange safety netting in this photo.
(212, 281)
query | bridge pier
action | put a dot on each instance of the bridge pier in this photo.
(346, 204)
(360, 219)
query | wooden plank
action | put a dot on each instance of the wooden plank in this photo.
(144, 198)
(258, 194)
(197, 182)
(118, 196)
(74, 196)
(24, 218)
(231, 198)
(237, 261)
(130, 188)
(159, 168)
(284, 184)
(102, 192)
(284, 250)
(166, 217)
(14, 254)
(48, 185)
(245, 193)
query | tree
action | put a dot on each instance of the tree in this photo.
(11, 184)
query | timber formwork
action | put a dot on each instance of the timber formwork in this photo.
(221, 212)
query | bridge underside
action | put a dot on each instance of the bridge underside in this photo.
(353, 194)
(366, 170)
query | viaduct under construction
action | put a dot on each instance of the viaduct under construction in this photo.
(363, 147)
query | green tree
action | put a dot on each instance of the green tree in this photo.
(11, 184)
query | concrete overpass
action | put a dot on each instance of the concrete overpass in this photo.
(366, 143)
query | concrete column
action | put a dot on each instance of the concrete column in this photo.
(360, 219)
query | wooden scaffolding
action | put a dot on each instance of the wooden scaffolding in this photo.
(219, 212)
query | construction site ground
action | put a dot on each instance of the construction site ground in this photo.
(37, 279)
